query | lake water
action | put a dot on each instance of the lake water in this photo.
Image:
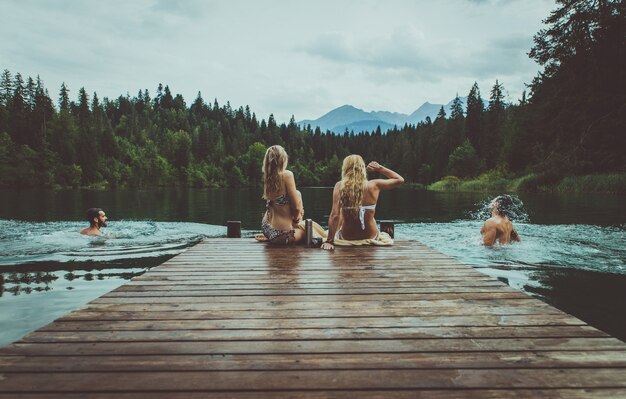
(572, 254)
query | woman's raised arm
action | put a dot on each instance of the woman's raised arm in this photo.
(393, 179)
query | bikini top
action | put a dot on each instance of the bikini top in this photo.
(362, 210)
(280, 201)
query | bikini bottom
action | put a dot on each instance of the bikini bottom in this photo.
(273, 234)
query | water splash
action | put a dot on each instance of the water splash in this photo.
(577, 246)
(516, 212)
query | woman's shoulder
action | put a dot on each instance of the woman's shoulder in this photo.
(373, 184)
(286, 174)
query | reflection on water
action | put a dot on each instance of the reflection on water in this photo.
(24, 282)
(31, 299)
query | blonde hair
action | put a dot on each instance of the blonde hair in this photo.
(353, 183)
(275, 161)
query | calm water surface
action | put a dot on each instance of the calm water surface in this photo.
(572, 254)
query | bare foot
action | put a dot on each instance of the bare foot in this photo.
(260, 238)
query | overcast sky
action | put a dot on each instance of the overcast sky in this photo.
(282, 57)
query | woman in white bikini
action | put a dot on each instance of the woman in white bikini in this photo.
(354, 200)
(283, 202)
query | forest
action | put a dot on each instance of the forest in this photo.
(570, 122)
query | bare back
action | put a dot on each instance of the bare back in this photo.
(285, 205)
(351, 228)
(498, 229)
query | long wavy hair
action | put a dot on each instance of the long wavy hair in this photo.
(353, 183)
(275, 161)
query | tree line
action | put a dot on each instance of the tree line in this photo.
(573, 121)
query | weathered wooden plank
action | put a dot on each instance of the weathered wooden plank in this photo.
(326, 299)
(322, 346)
(353, 322)
(312, 379)
(313, 267)
(588, 393)
(312, 291)
(301, 305)
(303, 283)
(276, 277)
(89, 332)
(217, 314)
(351, 361)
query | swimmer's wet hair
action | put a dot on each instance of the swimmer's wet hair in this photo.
(504, 204)
(93, 213)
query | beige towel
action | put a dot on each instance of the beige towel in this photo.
(384, 239)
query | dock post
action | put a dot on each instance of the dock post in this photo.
(233, 229)
(387, 227)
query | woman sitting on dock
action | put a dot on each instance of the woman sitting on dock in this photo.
(283, 201)
(354, 201)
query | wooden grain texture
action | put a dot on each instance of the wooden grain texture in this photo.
(232, 318)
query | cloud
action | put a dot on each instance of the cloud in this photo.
(399, 54)
(407, 54)
(285, 58)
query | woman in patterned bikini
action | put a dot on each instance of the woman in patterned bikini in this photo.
(283, 201)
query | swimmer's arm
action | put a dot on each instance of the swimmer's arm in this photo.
(515, 236)
(489, 232)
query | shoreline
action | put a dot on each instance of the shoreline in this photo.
(608, 183)
(493, 181)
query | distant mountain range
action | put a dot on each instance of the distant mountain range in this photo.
(357, 120)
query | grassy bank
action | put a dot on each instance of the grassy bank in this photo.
(535, 182)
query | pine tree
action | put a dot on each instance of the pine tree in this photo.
(456, 108)
(441, 116)
(30, 93)
(6, 89)
(473, 121)
(146, 97)
(495, 119)
(496, 98)
(83, 109)
(159, 96)
(454, 134)
(197, 108)
(64, 98)
(18, 112)
(167, 100)
(43, 111)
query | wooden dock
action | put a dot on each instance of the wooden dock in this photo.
(232, 318)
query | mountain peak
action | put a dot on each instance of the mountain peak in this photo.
(346, 106)
(349, 117)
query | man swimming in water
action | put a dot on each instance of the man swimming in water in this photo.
(498, 227)
(97, 219)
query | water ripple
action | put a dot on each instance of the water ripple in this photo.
(577, 246)
(27, 242)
